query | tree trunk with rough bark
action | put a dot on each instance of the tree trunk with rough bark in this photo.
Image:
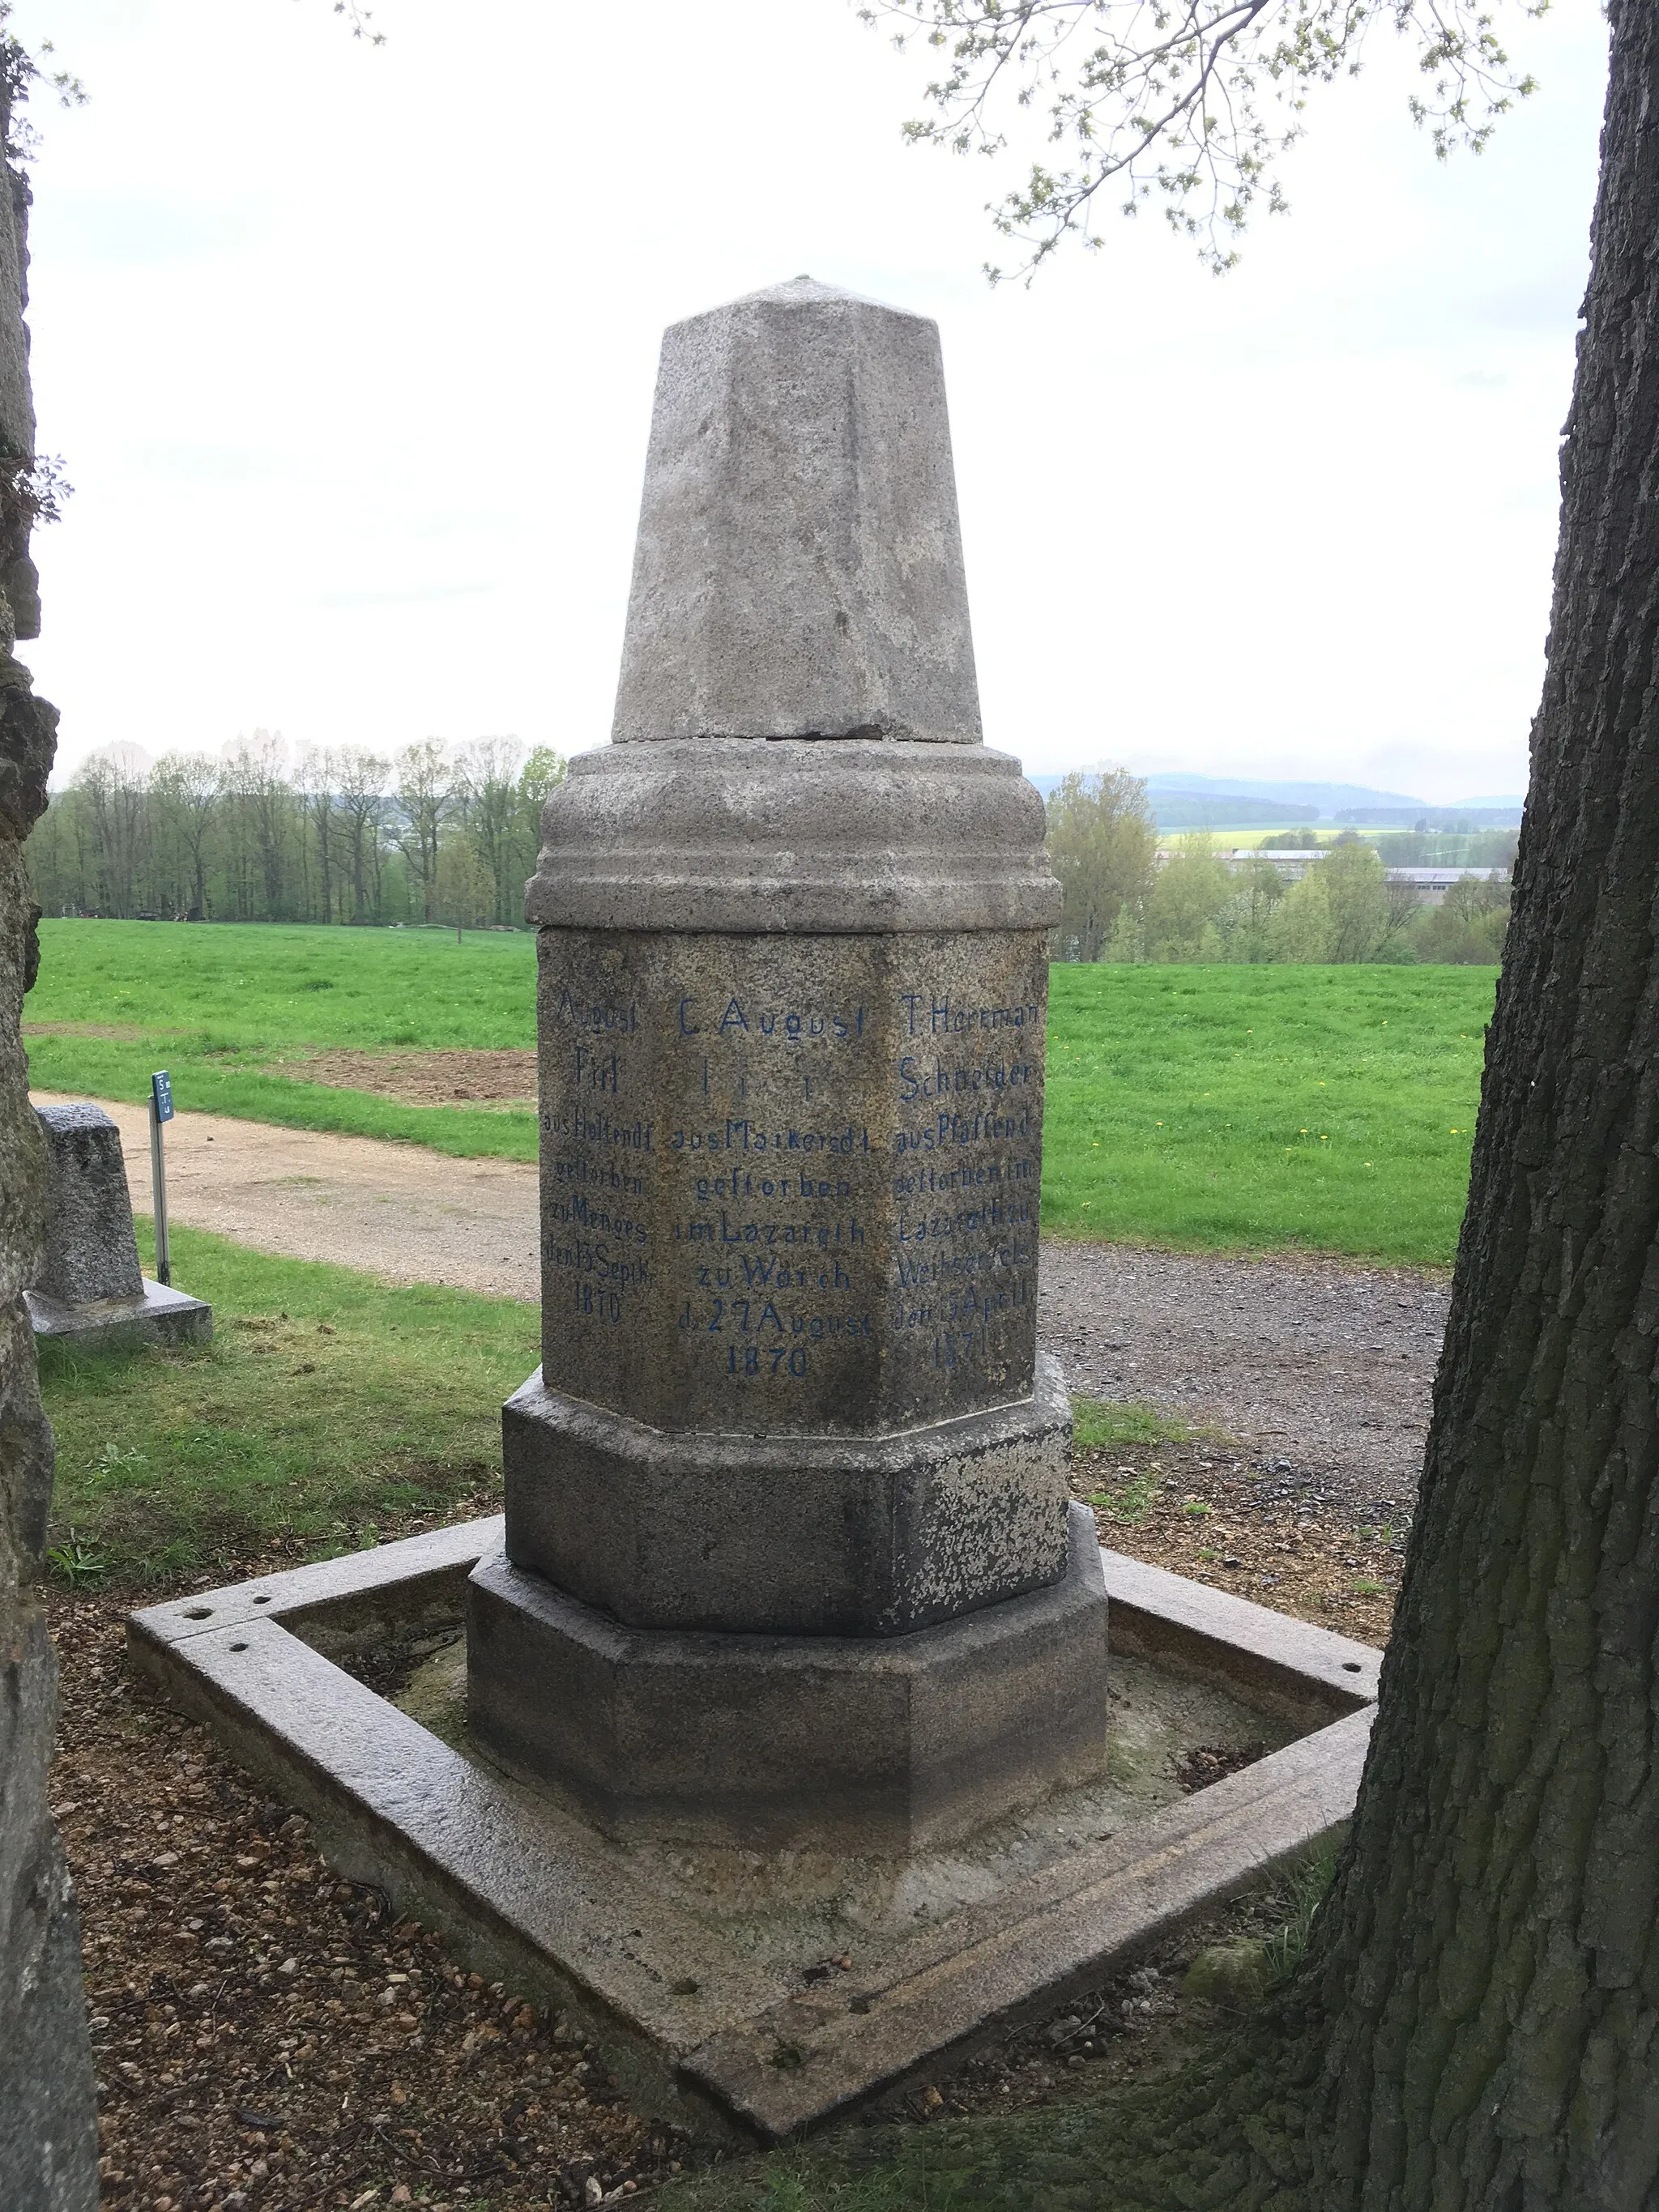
(1490, 1966)
(48, 2124)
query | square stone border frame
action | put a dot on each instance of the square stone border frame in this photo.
(461, 1849)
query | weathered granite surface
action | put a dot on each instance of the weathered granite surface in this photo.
(157, 1314)
(89, 1286)
(91, 1251)
(877, 1746)
(797, 572)
(787, 833)
(792, 993)
(48, 2135)
(20, 585)
(882, 1536)
(789, 1182)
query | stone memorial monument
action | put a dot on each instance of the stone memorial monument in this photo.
(788, 1559)
(787, 1622)
(91, 1288)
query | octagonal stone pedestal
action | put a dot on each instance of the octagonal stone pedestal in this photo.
(781, 1535)
(874, 1747)
(787, 1561)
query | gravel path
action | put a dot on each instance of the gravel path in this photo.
(1317, 1363)
(1323, 1366)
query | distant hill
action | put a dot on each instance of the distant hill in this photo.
(1180, 802)
(1330, 798)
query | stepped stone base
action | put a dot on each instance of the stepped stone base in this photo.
(156, 1316)
(881, 1534)
(871, 1745)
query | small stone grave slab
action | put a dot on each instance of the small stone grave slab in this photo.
(719, 1996)
(90, 1288)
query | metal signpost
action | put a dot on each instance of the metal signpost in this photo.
(161, 1110)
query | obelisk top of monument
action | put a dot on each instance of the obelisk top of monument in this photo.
(799, 568)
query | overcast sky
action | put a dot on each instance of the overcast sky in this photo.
(350, 353)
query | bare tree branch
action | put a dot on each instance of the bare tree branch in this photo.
(1192, 103)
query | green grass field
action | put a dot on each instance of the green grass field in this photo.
(1261, 1108)
(222, 1008)
(1329, 1109)
(329, 1411)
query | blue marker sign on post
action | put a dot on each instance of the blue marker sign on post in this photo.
(161, 1110)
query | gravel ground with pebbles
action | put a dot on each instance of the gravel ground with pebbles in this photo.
(1318, 1367)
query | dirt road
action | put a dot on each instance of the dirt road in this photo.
(1324, 1367)
(395, 1210)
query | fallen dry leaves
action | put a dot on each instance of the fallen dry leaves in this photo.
(266, 2036)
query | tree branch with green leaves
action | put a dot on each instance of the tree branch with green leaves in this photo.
(1189, 105)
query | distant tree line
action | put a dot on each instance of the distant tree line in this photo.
(429, 835)
(1119, 904)
(439, 835)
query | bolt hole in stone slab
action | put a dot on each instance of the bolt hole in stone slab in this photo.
(239, 1646)
(1352, 1667)
(262, 1600)
(197, 1612)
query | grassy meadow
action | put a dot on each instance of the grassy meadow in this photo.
(229, 1009)
(330, 1411)
(1260, 1108)
(1227, 1107)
